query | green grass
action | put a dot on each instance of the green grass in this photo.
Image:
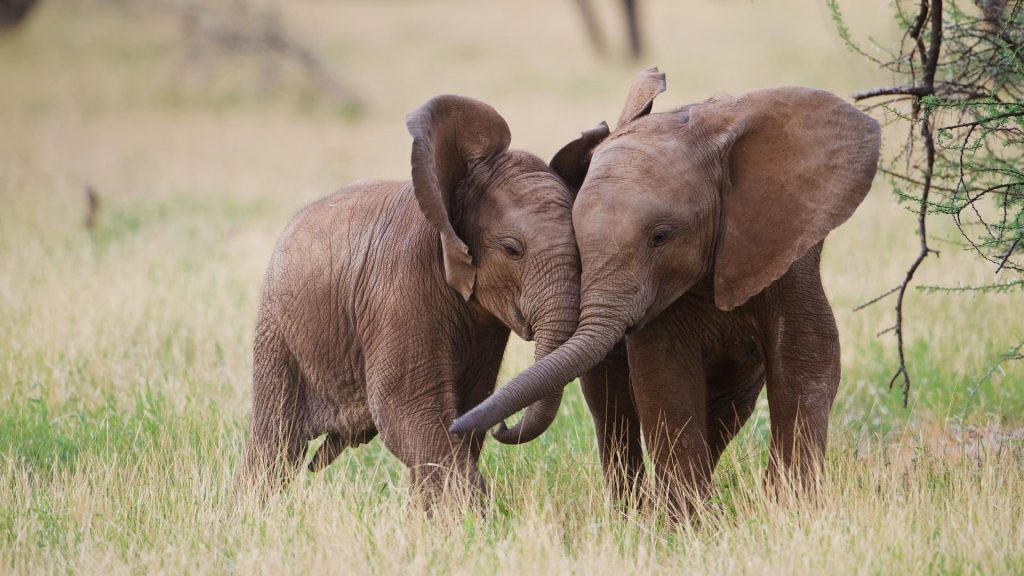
(125, 350)
(149, 488)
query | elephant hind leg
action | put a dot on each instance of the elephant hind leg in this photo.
(803, 371)
(335, 444)
(273, 455)
(733, 389)
(279, 430)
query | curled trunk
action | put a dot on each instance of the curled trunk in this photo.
(594, 338)
(556, 324)
(540, 415)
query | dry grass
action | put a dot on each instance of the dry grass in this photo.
(124, 352)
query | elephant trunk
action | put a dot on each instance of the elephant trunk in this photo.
(540, 415)
(597, 334)
(555, 324)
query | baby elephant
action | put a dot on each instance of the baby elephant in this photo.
(387, 306)
(700, 232)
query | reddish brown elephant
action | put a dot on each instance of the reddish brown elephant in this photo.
(387, 306)
(700, 231)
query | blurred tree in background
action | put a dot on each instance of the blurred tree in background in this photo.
(14, 12)
(957, 97)
(596, 34)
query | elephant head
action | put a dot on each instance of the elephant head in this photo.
(721, 196)
(505, 225)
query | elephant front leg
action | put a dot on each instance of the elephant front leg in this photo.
(444, 468)
(279, 430)
(606, 388)
(670, 391)
(414, 427)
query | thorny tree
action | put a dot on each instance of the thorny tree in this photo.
(960, 71)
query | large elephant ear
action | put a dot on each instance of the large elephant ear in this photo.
(646, 87)
(573, 160)
(799, 162)
(450, 133)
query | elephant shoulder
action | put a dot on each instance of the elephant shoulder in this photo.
(344, 205)
(321, 238)
(801, 284)
(340, 217)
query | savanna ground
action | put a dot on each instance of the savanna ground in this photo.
(125, 351)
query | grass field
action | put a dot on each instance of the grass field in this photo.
(125, 351)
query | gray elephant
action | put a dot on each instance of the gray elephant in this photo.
(387, 306)
(700, 232)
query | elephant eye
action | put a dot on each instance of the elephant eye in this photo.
(659, 237)
(512, 248)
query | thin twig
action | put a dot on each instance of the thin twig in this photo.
(913, 181)
(876, 299)
(984, 120)
(1006, 256)
(885, 103)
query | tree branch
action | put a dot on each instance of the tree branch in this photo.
(931, 59)
(890, 91)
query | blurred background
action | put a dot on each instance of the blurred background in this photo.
(151, 151)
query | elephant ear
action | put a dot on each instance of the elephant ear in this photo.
(799, 162)
(573, 160)
(450, 133)
(646, 87)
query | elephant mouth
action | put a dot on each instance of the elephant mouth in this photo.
(647, 318)
(637, 327)
(520, 326)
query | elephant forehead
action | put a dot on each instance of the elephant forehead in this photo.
(651, 161)
(627, 210)
(545, 224)
(537, 184)
(630, 191)
(556, 226)
(536, 193)
(618, 215)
